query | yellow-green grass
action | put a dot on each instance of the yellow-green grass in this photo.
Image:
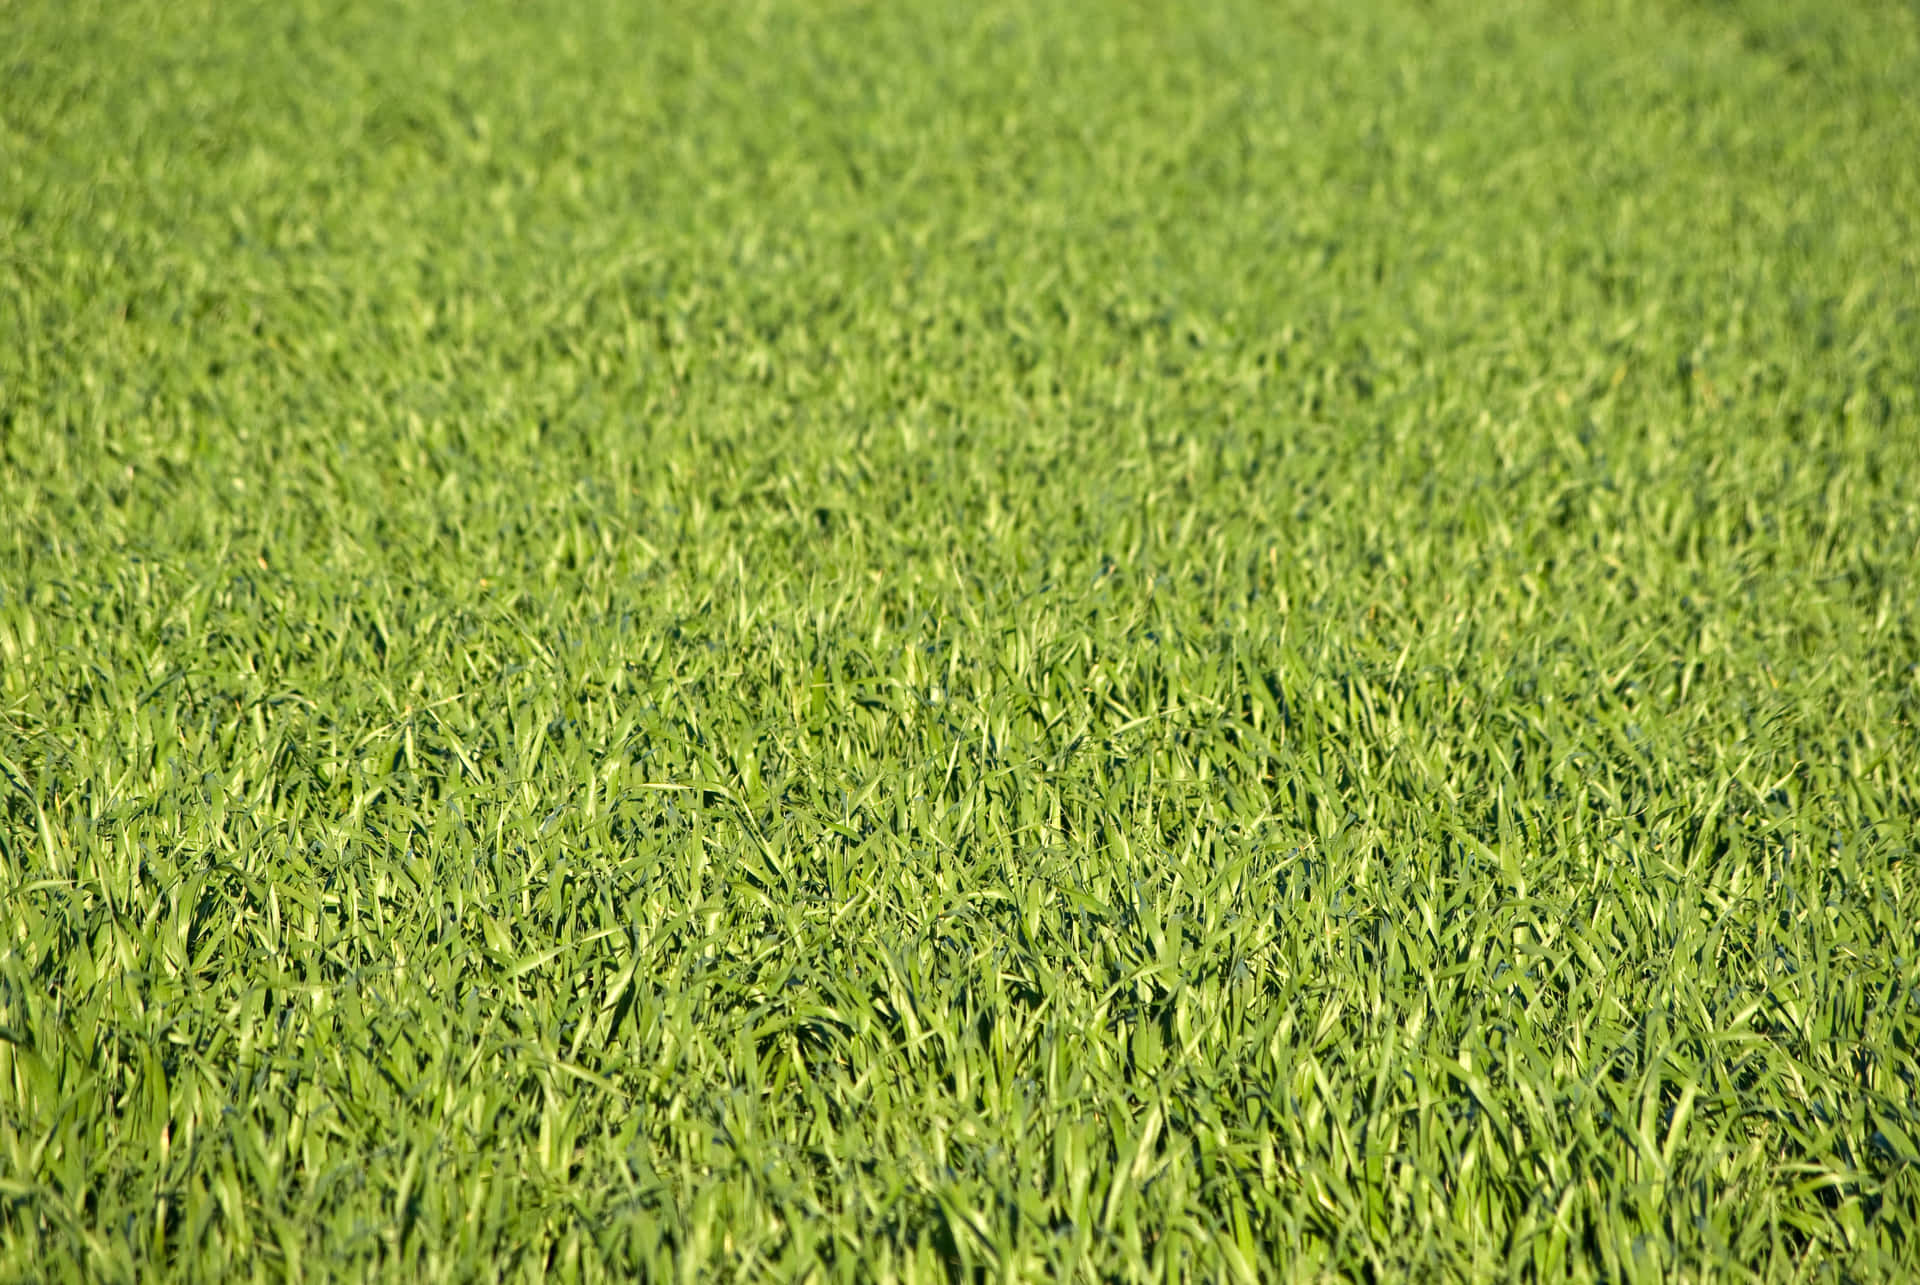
(1241, 641)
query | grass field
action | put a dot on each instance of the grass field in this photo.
(1235, 641)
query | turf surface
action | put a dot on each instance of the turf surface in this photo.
(838, 641)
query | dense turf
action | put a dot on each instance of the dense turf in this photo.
(835, 640)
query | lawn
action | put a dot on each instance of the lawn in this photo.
(836, 641)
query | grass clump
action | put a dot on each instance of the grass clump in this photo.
(840, 641)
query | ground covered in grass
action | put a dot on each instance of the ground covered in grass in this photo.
(836, 641)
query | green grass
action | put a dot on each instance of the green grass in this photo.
(836, 641)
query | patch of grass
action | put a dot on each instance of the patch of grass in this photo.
(1237, 641)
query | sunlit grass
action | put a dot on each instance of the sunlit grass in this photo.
(1231, 641)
